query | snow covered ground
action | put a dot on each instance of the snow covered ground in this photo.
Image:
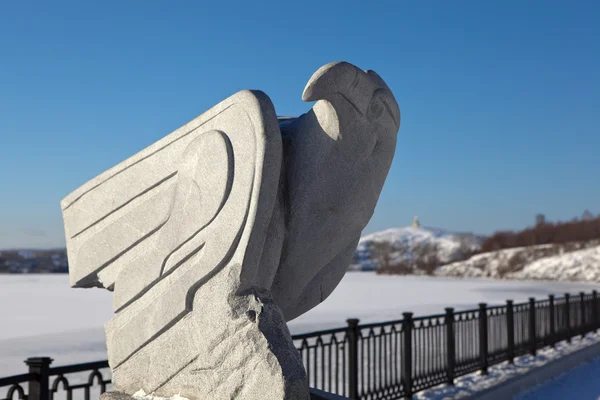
(580, 265)
(535, 262)
(41, 315)
(580, 383)
(577, 261)
(568, 386)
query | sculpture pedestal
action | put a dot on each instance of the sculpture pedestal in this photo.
(230, 345)
(315, 394)
(115, 396)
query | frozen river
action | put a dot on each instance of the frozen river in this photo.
(40, 315)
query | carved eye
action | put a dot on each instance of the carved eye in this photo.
(376, 107)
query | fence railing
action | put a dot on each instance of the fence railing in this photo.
(387, 360)
(44, 383)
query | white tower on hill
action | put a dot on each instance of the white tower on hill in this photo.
(416, 222)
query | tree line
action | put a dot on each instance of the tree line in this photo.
(581, 229)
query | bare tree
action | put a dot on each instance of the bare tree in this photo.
(425, 257)
(425, 251)
(574, 230)
(383, 253)
(465, 249)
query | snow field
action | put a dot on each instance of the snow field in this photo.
(42, 316)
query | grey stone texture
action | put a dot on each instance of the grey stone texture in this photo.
(216, 235)
(315, 394)
(336, 159)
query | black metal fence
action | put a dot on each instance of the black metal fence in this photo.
(388, 360)
(44, 383)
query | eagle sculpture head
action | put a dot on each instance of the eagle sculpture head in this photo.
(361, 100)
(336, 161)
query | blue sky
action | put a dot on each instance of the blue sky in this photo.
(500, 100)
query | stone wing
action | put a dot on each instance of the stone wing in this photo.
(196, 199)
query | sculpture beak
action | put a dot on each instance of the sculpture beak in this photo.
(331, 78)
(354, 85)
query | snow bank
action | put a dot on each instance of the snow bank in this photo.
(581, 383)
(530, 263)
(580, 265)
(467, 385)
(492, 264)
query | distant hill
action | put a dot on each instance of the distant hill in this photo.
(449, 246)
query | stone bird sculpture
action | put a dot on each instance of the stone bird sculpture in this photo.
(336, 159)
(216, 235)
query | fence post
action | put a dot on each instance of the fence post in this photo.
(568, 317)
(532, 333)
(582, 302)
(594, 310)
(510, 330)
(353, 357)
(483, 338)
(552, 338)
(39, 387)
(407, 327)
(450, 346)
